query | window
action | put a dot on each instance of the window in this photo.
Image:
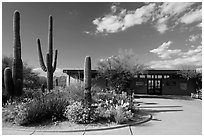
(166, 76)
(159, 76)
(171, 83)
(139, 83)
(142, 76)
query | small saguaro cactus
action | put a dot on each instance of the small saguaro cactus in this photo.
(87, 80)
(56, 82)
(8, 81)
(49, 57)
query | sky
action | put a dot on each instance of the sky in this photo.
(162, 35)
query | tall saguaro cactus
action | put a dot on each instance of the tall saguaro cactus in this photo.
(87, 80)
(14, 79)
(49, 57)
(17, 69)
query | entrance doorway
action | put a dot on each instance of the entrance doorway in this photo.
(154, 86)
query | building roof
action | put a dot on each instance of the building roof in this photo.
(79, 73)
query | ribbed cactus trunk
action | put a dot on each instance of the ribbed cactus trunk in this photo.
(14, 79)
(8, 81)
(87, 81)
(17, 69)
(49, 57)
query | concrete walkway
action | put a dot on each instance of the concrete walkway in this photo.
(170, 117)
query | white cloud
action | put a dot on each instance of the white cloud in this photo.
(113, 23)
(199, 25)
(40, 71)
(164, 52)
(192, 57)
(139, 16)
(173, 8)
(58, 72)
(110, 24)
(192, 17)
(192, 52)
(163, 16)
(162, 28)
(167, 12)
(193, 38)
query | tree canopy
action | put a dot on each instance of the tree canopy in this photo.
(120, 69)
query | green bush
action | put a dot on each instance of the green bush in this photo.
(49, 106)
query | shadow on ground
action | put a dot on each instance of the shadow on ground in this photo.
(176, 97)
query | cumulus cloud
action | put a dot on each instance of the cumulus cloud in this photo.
(163, 16)
(172, 8)
(199, 25)
(39, 71)
(191, 17)
(164, 52)
(169, 11)
(191, 57)
(58, 72)
(162, 28)
(113, 23)
(193, 38)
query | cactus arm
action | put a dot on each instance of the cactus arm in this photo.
(55, 61)
(41, 57)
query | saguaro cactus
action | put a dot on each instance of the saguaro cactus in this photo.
(14, 79)
(56, 82)
(17, 69)
(8, 81)
(87, 80)
(49, 57)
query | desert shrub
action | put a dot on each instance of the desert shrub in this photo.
(74, 112)
(77, 113)
(10, 110)
(113, 107)
(49, 106)
(111, 113)
(122, 114)
(75, 92)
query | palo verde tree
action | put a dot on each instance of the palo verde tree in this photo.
(119, 70)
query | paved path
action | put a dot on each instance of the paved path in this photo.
(170, 117)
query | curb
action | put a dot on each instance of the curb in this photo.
(88, 130)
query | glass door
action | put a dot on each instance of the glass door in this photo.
(154, 86)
